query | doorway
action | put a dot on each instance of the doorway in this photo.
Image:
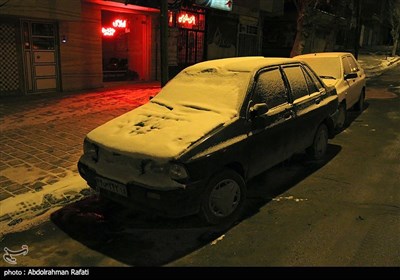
(40, 56)
(126, 46)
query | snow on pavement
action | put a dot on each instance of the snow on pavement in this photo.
(32, 208)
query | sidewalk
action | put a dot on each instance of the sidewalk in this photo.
(41, 142)
(374, 64)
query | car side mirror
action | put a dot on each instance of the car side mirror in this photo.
(259, 109)
(350, 76)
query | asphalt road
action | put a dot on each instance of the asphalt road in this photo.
(342, 211)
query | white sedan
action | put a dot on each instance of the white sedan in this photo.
(340, 69)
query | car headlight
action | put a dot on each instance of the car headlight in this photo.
(91, 150)
(176, 171)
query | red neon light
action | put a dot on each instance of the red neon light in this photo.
(170, 18)
(120, 23)
(108, 31)
(185, 18)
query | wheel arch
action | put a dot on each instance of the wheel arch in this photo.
(331, 127)
(237, 167)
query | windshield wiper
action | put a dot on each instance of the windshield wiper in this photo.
(196, 107)
(161, 104)
(327, 77)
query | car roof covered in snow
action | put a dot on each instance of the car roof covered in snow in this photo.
(322, 54)
(241, 64)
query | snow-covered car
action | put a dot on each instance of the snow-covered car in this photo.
(192, 148)
(340, 69)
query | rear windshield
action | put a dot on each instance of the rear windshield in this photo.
(325, 67)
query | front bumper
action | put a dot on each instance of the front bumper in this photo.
(169, 203)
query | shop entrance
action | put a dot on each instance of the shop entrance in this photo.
(126, 47)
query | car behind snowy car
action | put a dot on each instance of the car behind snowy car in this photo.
(340, 69)
(192, 148)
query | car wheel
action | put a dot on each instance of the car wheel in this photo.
(342, 117)
(360, 104)
(318, 149)
(224, 198)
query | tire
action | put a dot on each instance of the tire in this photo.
(342, 117)
(224, 197)
(359, 106)
(320, 143)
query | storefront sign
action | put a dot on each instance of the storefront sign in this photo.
(121, 23)
(225, 5)
(186, 20)
(109, 31)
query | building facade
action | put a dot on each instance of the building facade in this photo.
(67, 45)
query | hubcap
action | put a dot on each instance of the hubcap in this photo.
(224, 198)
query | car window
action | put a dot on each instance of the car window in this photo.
(270, 89)
(314, 78)
(310, 83)
(297, 81)
(346, 66)
(353, 64)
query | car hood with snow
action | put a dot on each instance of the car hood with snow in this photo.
(197, 101)
(156, 131)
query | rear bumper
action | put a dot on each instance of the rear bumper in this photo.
(169, 203)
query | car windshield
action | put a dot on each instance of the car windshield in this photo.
(325, 67)
(209, 89)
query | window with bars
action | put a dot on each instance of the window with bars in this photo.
(248, 40)
(191, 25)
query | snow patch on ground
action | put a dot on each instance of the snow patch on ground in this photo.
(23, 211)
(394, 116)
(214, 242)
(281, 198)
(374, 70)
(30, 174)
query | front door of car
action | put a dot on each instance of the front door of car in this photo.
(354, 83)
(271, 131)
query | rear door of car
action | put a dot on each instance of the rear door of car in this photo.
(307, 98)
(272, 132)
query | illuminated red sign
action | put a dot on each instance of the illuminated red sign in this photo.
(186, 20)
(109, 31)
(170, 19)
(121, 23)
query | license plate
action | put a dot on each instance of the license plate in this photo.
(111, 186)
